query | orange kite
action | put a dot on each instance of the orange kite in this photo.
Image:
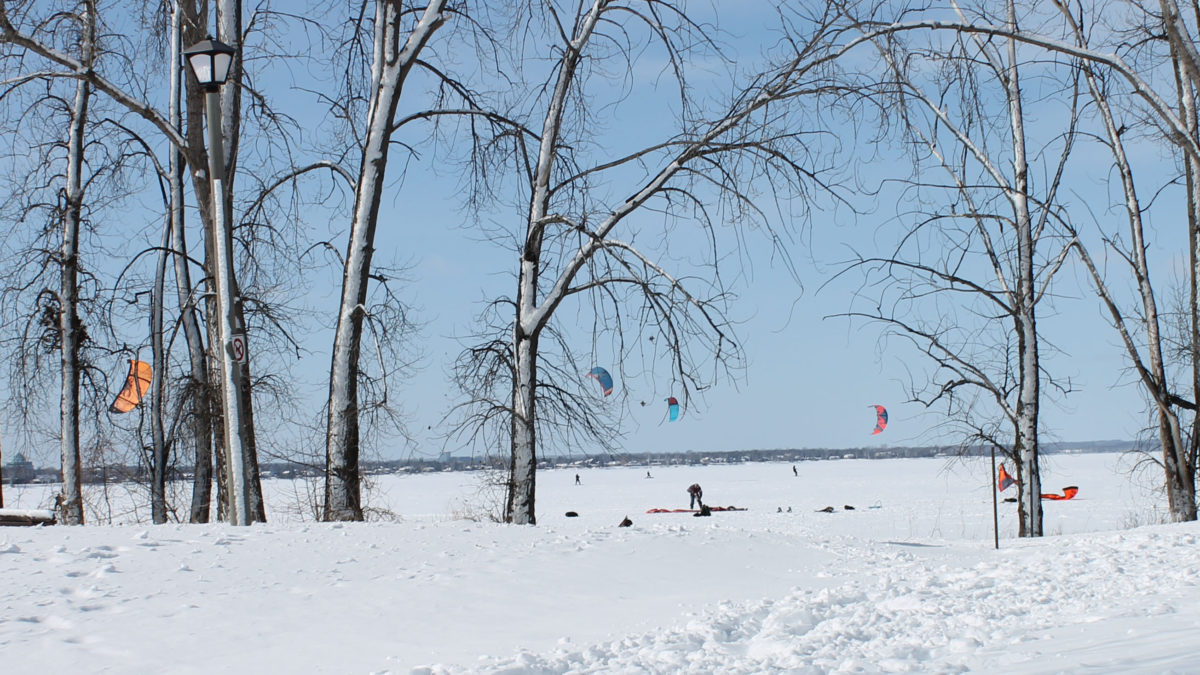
(1068, 493)
(136, 385)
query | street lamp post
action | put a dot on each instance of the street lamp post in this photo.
(210, 60)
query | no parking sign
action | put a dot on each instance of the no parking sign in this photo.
(237, 347)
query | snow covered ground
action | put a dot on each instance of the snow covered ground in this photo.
(912, 585)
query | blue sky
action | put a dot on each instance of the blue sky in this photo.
(810, 381)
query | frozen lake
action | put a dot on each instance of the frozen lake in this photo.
(433, 586)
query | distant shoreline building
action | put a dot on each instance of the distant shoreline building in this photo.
(19, 470)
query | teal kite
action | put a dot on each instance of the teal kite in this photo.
(601, 375)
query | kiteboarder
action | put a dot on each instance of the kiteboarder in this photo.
(696, 494)
(577, 479)
(794, 471)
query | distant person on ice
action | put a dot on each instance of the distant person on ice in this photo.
(794, 471)
(696, 494)
(577, 479)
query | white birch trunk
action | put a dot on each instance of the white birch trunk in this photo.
(389, 69)
(1153, 369)
(523, 467)
(158, 492)
(531, 312)
(1179, 460)
(1170, 433)
(1029, 389)
(70, 505)
(201, 411)
(1179, 454)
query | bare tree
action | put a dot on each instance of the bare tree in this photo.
(395, 52)
(968, 278)
(69, 327)
(1140, 329)
(237, 416)
(33, 45)
(127, 88)
(62, 197)
(197, 390)
(586, 231)
(1174, 123)
(1181, 455)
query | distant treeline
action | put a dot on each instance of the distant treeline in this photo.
(453, 463)
(810, 454)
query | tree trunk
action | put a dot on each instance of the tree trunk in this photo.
(1180, 459)
(530, 318)
(389, 69)
(158, 444)
(1029, 390)
(1026, 446)
(204, 397)
(69, 326)
(1180, 456)
(158, 486)
(1152, 370)
(217, 213)
(200, 399)
(199, 393)
(253, 476)
(229, 20)
(522, 474)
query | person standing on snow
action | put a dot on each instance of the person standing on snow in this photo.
(696, 494)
